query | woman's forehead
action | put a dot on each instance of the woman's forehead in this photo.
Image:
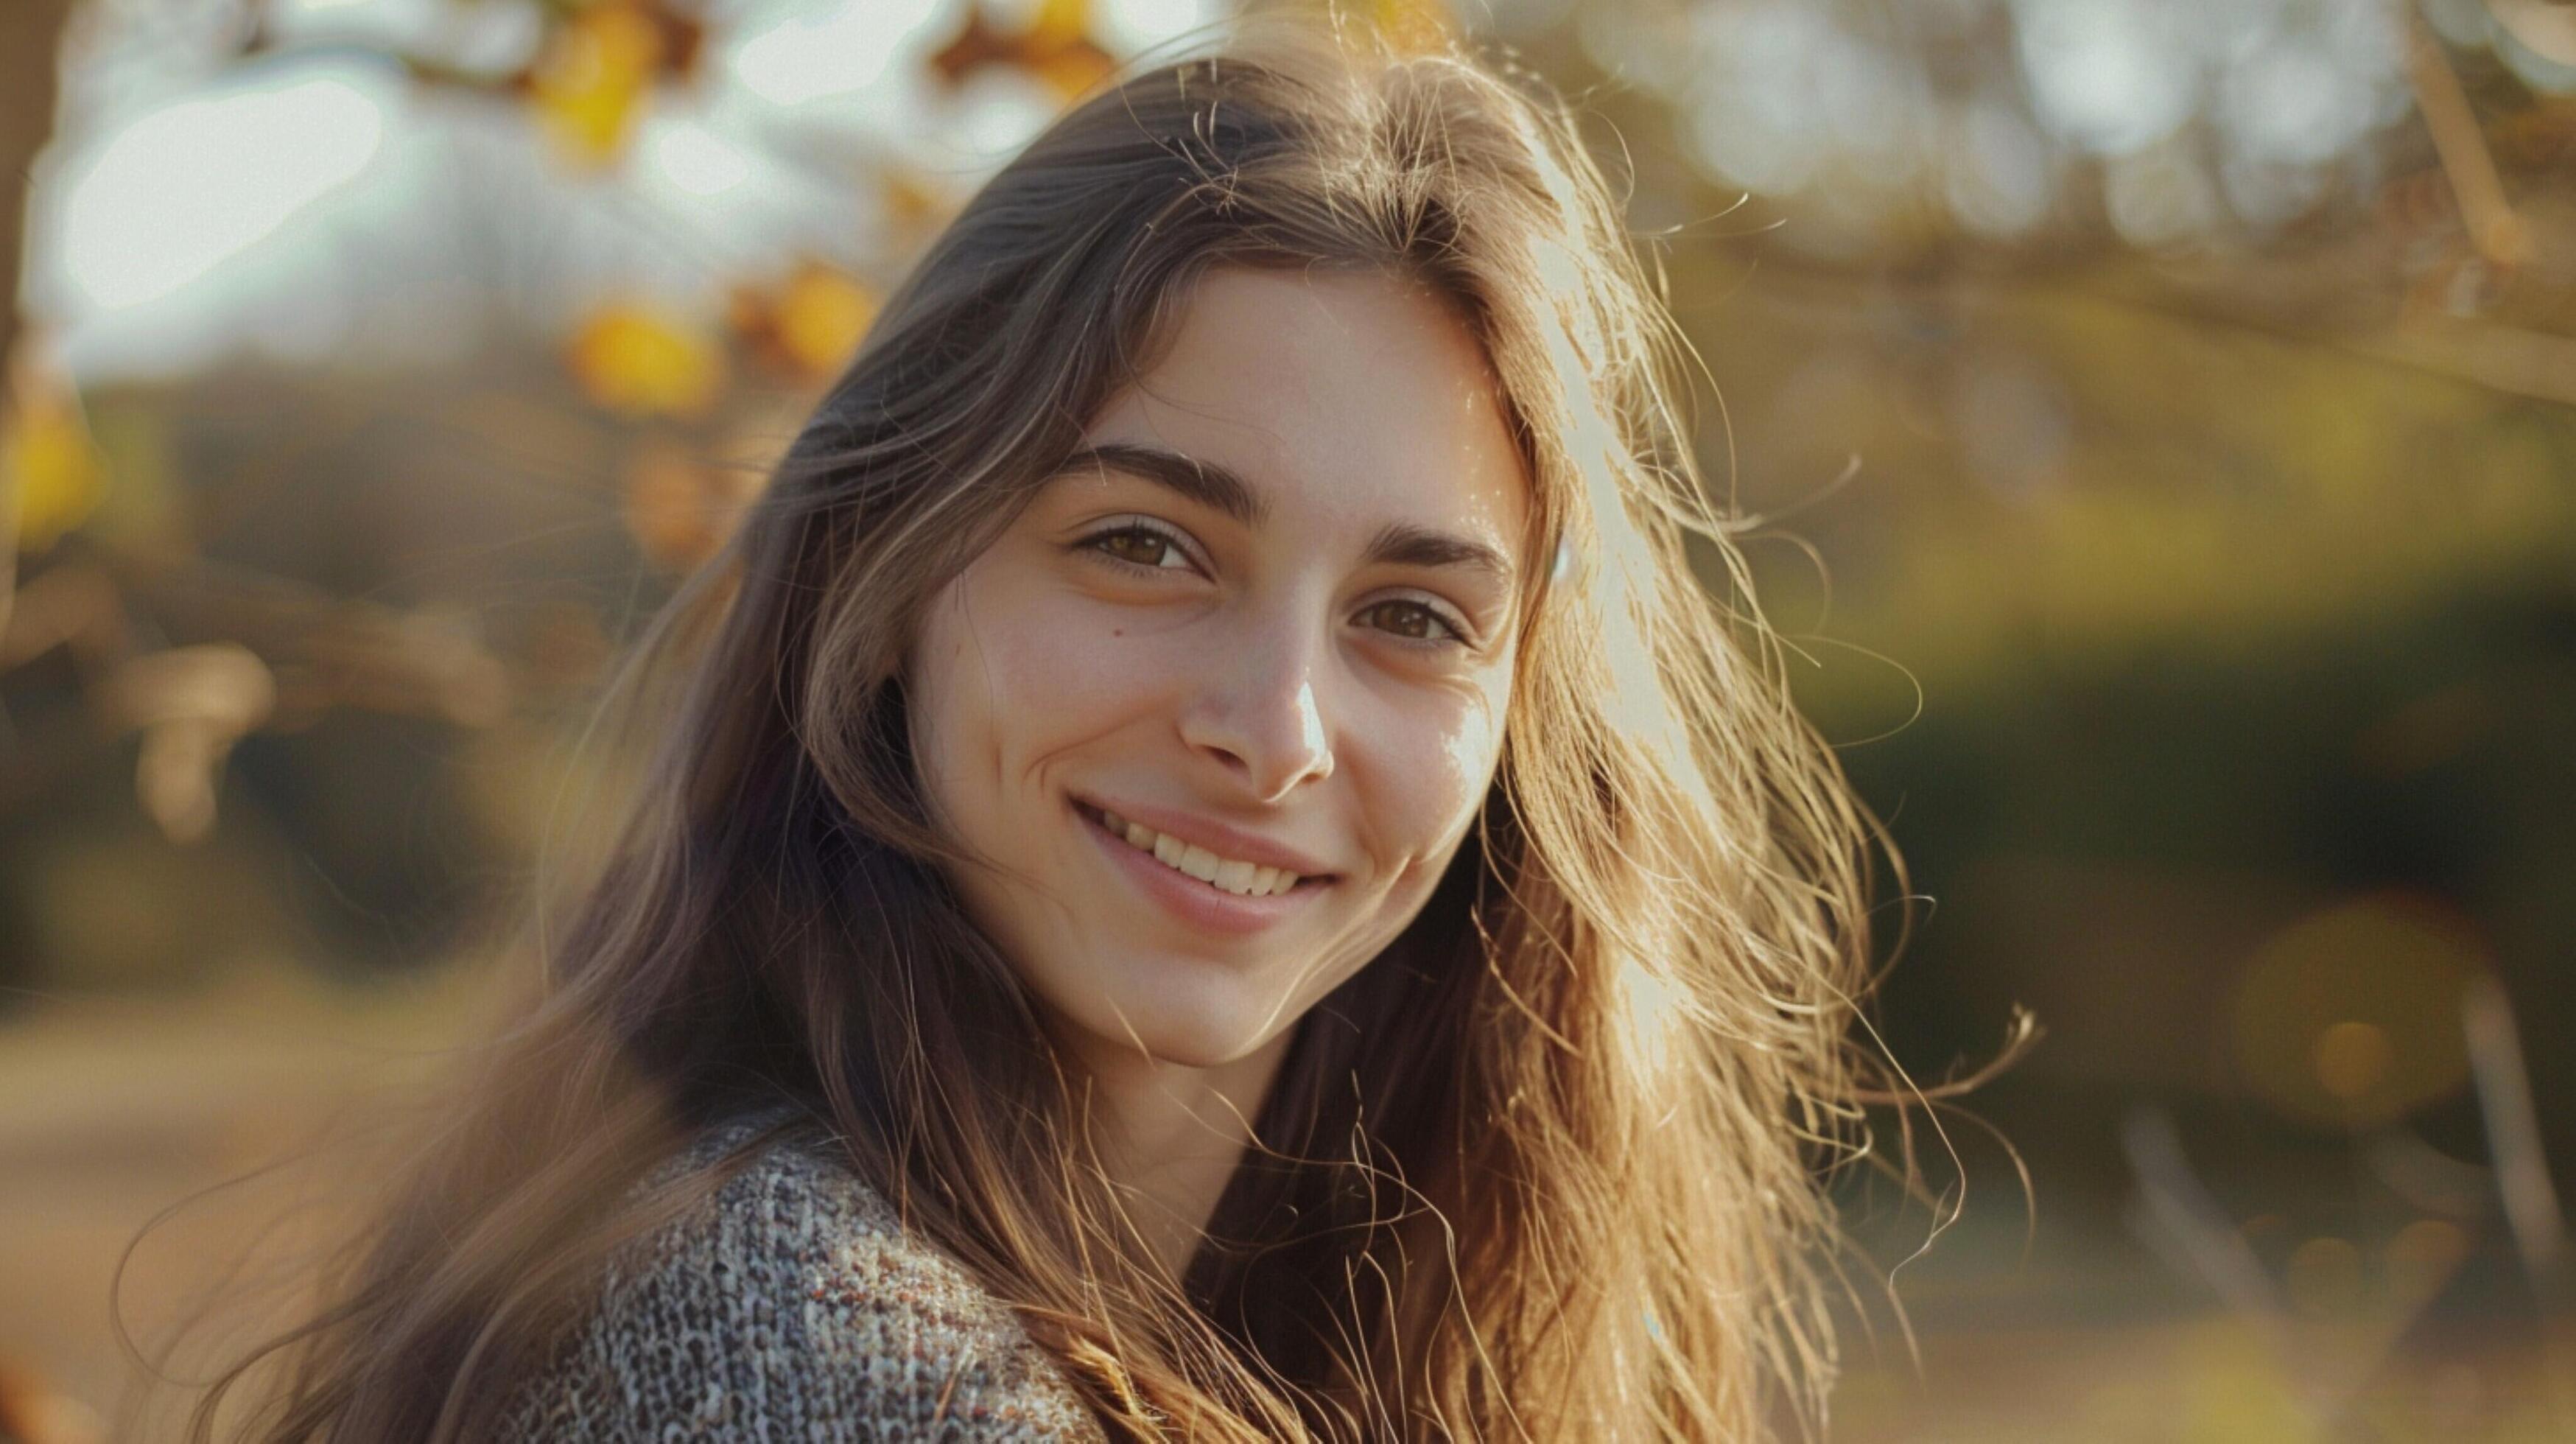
(1334, 397)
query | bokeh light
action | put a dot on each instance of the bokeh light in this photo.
(2351, 1015)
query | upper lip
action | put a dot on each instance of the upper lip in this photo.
(1216, 837)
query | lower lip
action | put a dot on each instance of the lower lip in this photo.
(1200, 905)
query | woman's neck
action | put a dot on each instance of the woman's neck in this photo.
(1172, 1135)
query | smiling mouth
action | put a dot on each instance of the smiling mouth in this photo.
(1217, 874)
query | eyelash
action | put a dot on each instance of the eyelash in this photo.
(1092, 544)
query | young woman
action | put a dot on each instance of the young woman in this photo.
(1224, 857)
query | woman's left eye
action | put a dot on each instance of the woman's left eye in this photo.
(1414, 621)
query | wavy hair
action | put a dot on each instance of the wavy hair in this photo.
(1548, 1168)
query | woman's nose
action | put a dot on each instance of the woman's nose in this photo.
(1258, 713)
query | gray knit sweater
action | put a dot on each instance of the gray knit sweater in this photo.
(793, 1306)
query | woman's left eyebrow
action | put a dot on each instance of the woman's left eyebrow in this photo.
(1398, 543)
(1403, 544)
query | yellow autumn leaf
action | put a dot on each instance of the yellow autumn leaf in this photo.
(590, 86)
(1412, 27)
(1072, 70)
(680, 507)
(636, 361)
(50, 472)
(1059, 22)
(821, 318)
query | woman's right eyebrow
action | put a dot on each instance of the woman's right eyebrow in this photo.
(1204, 482)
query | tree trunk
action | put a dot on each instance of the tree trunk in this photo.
(31, 42)
(31, 36)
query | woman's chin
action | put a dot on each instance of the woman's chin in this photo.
(1189, 1026)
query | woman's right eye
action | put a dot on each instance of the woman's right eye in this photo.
(1139, 546)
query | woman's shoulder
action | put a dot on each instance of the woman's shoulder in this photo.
(792, 1304)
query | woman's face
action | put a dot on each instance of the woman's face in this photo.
(1265, 619)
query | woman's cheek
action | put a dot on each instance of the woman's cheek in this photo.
(1429, 763)
(1075, 657)
(1472, 746)
(1465, 733)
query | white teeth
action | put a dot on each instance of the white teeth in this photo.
(1243, 879)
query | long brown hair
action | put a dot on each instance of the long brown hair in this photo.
(1548, 1168)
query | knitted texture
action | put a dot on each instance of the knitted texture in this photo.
(792, 1306)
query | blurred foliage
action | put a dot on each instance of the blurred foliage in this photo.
(637, 364)
(50, 467)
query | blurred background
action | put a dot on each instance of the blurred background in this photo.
(2164, 412)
